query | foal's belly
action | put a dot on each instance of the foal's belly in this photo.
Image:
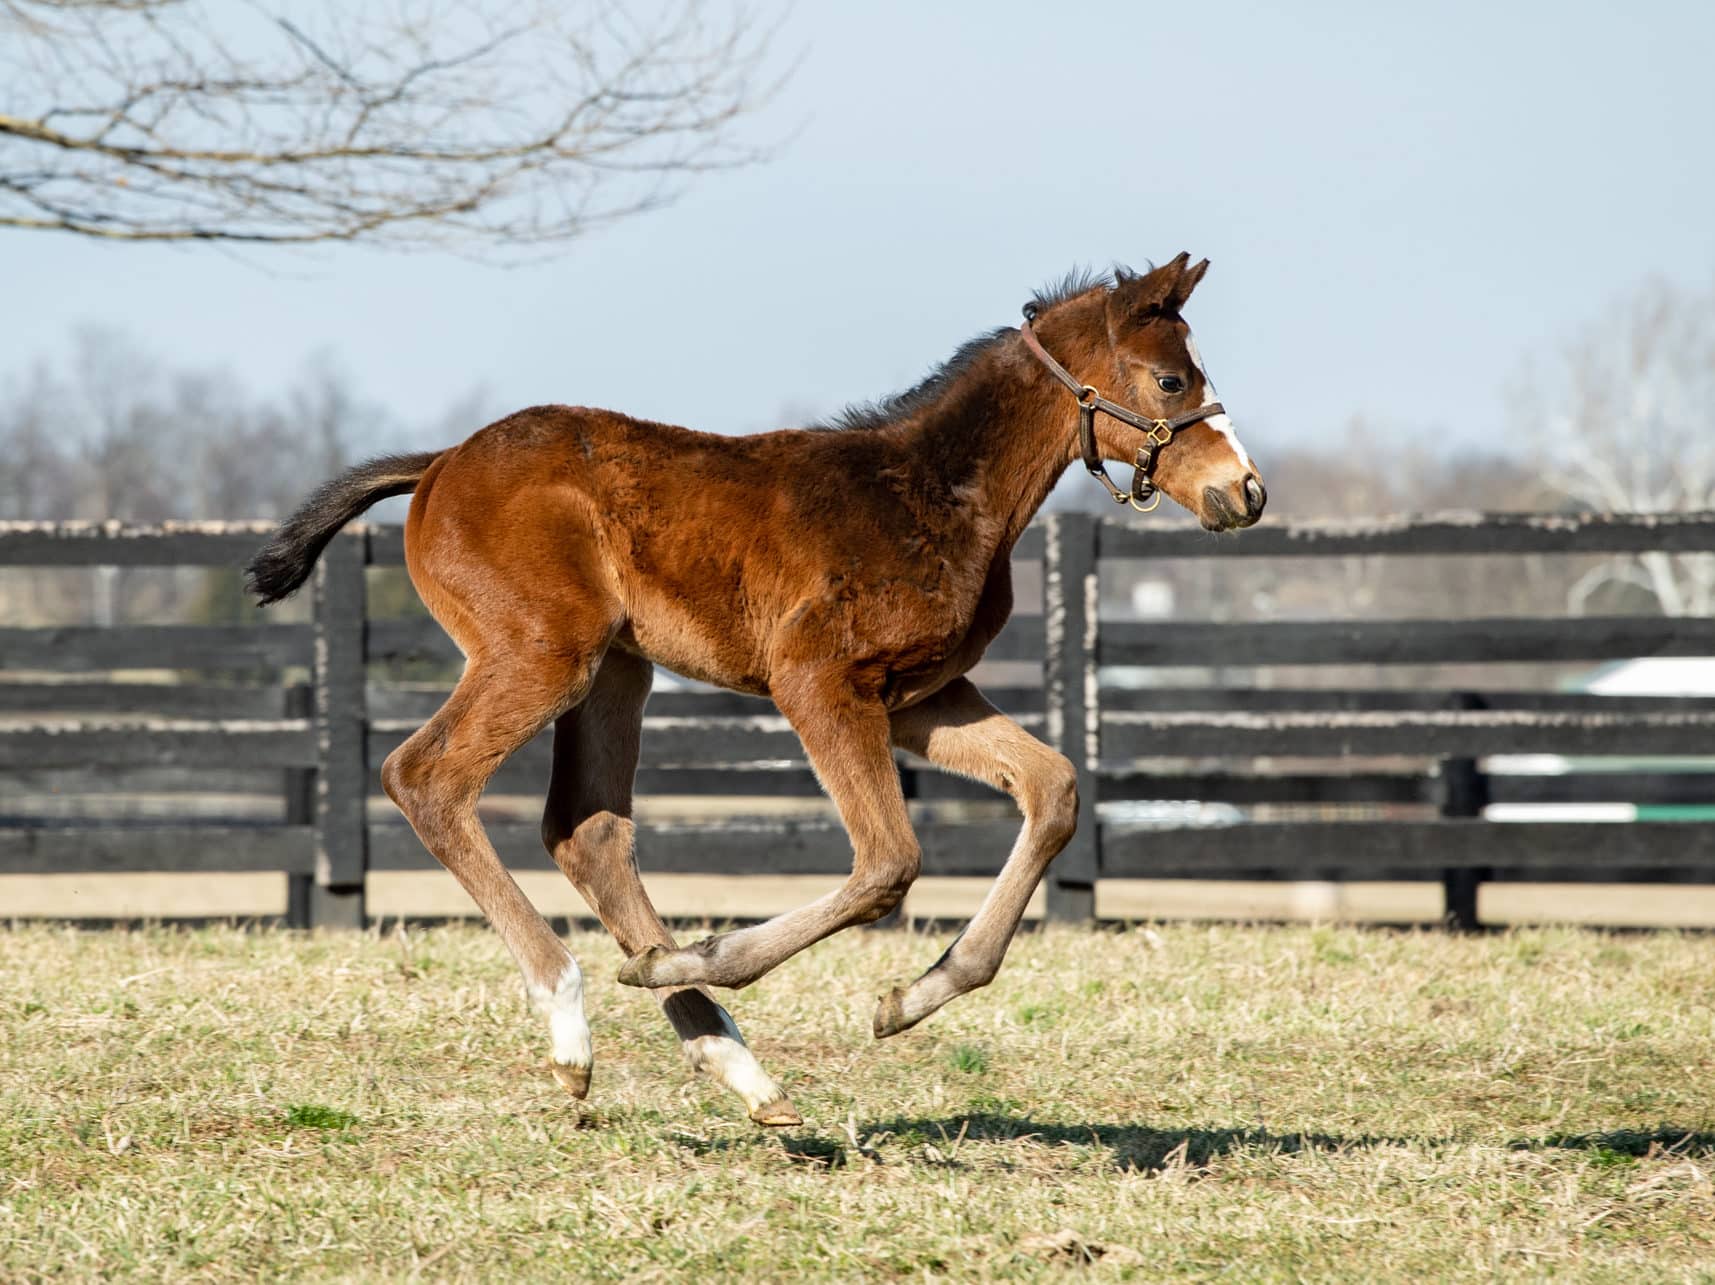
(680, 645)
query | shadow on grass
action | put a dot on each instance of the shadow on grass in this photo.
(1664, 1139)
(1133, 1146)
(1139, 1146)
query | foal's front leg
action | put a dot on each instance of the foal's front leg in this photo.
(847, 738)
(958, 730)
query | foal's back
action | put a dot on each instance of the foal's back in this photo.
(704, 552)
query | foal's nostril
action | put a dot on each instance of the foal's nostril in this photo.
(1255, 495)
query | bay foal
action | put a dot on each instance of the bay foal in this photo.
(853, 574)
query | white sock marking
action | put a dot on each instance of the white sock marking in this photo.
(563, 1006)
(726, 1058)
(1220, 423)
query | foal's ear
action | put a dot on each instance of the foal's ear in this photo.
(1188, 280)
(1164, 289)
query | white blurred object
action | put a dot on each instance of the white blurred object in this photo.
(1152, 599)
(1585, 812)
(1656, 676)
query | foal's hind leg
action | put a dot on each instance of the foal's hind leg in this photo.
(957, 729)
(436, 776)
(588, 829)
(845, 734)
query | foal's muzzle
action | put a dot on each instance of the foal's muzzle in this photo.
(1222, 512)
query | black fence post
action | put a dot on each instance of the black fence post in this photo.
(300, 806)
(342, 832)
(1069, 686)
(1464, 794)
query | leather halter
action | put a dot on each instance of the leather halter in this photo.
(1144, 495)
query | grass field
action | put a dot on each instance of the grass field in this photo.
(1278, 1103)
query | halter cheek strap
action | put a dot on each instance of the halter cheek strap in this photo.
(1144, 495)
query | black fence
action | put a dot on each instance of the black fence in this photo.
(1392, 778)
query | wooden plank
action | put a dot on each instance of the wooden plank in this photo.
(1688, 874)
(1162, 699)
(1671, 788)
(97, 780)
(1261, 787)
(342, 834)
(1376, 733)
(158, 743)
(223, 647)
(1360, 848)
(130, 544)
(1403, 642)
(156, 849)
(1458, 533)
(1546, 852)
(164, 700)
(1070, 595)
(740, 847)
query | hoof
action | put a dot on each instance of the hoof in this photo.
(778, 1114)
(575, 1079)
(640, 969)
(890, 1014)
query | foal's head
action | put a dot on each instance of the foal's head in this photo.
(1161, 374)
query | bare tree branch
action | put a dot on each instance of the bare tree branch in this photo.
(1628, 425)
(422, 122)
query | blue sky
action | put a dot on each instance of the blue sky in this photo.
(1402, 203)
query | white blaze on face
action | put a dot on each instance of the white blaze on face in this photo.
(1220, 423)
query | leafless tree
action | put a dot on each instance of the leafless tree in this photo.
(1627, 424)
(488, 124)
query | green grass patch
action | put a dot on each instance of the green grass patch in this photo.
(972, 1059)
(308, 1115)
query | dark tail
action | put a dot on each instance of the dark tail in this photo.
(285, 562)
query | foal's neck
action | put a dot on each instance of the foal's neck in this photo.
(1001, 435)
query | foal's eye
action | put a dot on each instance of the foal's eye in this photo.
(1170, 383)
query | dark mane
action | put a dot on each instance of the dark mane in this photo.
(1080, 280)
(888, 409)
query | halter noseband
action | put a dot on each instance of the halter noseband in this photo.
(1144, 495)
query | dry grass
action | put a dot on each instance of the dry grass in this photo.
(1267, 1103)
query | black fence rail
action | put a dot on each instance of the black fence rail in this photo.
(306, 705)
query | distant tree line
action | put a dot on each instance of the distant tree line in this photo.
(113, 432)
